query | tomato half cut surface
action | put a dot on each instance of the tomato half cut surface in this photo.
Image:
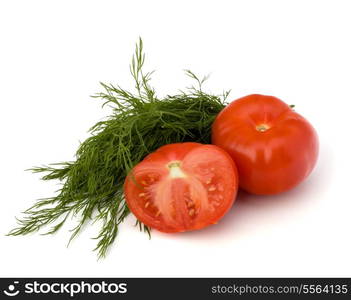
(181, 187)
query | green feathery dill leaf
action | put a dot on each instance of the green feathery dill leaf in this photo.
(140, 122)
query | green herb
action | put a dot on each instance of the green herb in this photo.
(92, 185)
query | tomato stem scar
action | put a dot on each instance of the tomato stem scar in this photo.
(262, 127)
(174, 170)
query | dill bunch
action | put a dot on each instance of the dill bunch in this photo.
(140, 122)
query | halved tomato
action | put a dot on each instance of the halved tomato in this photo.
(181, 187)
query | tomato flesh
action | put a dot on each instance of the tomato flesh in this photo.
(181, 187)
(273, 147)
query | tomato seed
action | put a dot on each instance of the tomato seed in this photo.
(147, 204)
(142, 195)
(211, 188)
(191, 212)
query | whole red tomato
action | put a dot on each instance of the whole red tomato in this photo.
(273, 147)
(182, 187)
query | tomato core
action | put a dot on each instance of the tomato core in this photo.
(175, 170)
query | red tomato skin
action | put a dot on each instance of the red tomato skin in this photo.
(272, 161)
(159, 160)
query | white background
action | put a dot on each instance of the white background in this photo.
(54, 53)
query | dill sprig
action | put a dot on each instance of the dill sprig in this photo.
(140, 122)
